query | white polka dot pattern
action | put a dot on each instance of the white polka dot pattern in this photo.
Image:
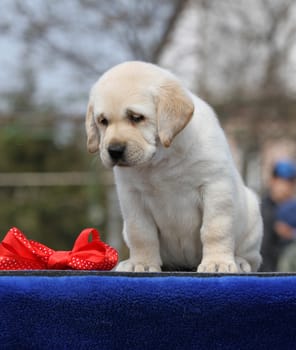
(19, 253)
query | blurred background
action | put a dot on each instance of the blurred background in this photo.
(240, 56)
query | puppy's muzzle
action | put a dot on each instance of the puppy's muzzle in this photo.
(116, 151)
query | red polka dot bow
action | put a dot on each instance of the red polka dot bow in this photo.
(19, 253)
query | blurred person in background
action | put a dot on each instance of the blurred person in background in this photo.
(280, 190)
(285, 227)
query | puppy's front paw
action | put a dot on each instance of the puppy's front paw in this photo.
(132, 266)
(242, 264)
(218, 266)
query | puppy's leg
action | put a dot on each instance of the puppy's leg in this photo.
(248, 252)
(249, 258)
(140, 233)
(144, 250)
(216, 232)
(242, 264)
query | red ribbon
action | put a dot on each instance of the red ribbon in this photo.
(19, 253)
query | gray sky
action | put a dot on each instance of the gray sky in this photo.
(76, 46)
(73, 45)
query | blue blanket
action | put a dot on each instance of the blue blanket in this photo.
(89, 310)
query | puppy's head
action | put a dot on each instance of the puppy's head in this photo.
(131, 108)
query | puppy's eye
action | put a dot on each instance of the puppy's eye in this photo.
(136, 118)
(103, 121)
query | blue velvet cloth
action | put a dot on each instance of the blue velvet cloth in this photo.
(146, 311)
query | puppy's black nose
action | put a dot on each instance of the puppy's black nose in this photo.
(116, 151)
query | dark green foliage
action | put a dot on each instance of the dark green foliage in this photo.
(53, 215)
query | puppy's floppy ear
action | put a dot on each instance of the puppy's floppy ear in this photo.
(174, 110)
(91, 129)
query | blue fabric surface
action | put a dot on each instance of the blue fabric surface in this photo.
(160, 312)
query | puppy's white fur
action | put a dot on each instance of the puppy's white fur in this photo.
(183, 202)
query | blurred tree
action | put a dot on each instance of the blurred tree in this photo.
(23, 98)
(82, 38)
(255, 41)
(53, 215)
(63, 47)
(246, 53)
(242, 62)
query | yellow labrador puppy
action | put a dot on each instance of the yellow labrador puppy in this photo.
(183, 202)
